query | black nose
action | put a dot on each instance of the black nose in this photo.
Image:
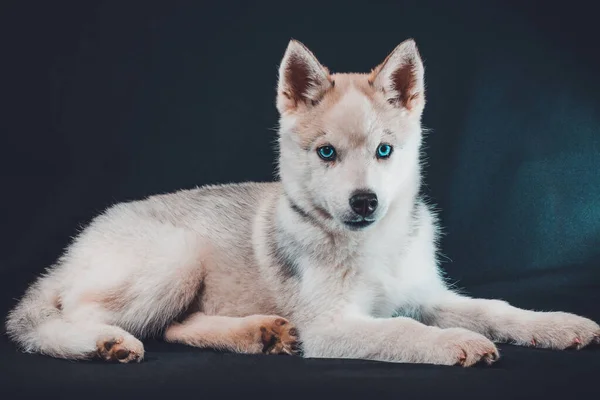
(364, 203)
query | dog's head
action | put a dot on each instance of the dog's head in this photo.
(349, 143)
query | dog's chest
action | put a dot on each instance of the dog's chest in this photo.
(385, 285)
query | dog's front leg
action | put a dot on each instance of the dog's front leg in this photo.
(395, 340)
(502, 322)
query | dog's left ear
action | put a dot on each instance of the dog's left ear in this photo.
(401, 78)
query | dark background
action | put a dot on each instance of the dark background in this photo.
(112, 101)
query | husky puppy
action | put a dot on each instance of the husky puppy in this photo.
(327, 255)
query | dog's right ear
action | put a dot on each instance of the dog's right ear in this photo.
(302, 79)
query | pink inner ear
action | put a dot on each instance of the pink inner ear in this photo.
(297, 78)
(404, 81)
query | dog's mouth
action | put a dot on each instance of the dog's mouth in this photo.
(358, 224)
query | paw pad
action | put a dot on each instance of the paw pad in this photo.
(118, 350)
(279, 337)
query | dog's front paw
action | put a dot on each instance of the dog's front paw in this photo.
(558, 330)
(457, 346)
(274, 335)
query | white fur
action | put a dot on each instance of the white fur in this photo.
(284, 249)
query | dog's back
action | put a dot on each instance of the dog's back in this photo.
(336, 247)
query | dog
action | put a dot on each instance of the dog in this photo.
(337, 258)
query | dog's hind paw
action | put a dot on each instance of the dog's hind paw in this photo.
(121, 349)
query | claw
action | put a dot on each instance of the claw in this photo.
(533, 343)
(462, 359)
(576, 344)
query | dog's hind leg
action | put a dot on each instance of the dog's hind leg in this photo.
(254, 334)
(107, 342)
(39, 324)
(105, 294)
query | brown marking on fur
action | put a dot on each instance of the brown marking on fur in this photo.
(308, 144)
(308, 128)
(254, 334)
(374, 72)
(116, 300)
(113, 299)
(357, 140)
(353, 81)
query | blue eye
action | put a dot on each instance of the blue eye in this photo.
(327, 153)
(384, 150)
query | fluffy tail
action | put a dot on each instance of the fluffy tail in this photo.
(36, 325)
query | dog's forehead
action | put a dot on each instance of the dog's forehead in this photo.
(353, 116)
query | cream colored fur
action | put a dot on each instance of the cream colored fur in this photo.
(250, 267)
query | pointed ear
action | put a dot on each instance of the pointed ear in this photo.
(302, 79)
(401, 77)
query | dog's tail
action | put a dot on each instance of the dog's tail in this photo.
(36, 324)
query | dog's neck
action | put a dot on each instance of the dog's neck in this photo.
(331, 243)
